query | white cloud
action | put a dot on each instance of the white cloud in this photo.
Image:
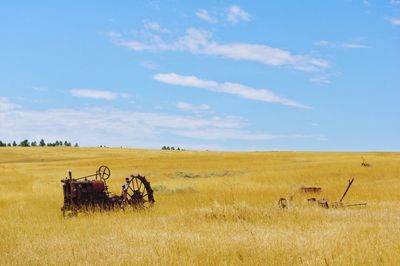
(236, 14)
(226, 87)
(117, 127)
(354, 46)
(187, 107)
(225, 134)
(323, 43)
(395, 2)
(366, 3)
(108, 126)
(7, 105)
(324, 77)
(204, 15)
(394, 21)
(154, 26)
(350, 45)
(234, 134)
(94, 94)
(199, 41)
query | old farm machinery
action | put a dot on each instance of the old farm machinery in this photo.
(322, 202)
(90, 193)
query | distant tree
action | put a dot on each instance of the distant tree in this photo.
(172, 148)
(163, 148)
(2, 144)
(9, 144)
(76, 145)
(178, 149)
(67, 144)
(24, 143)
(42, 143)
(34, 144)
(14, 144)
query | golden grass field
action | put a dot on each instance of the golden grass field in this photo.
(213, 208)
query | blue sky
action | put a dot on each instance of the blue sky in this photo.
(218, 75)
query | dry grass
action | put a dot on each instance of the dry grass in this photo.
(211, 208)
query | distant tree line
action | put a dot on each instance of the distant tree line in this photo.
(168, 148)
(41, 143)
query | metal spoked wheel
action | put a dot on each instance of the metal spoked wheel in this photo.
(137, 192)
(103, 172)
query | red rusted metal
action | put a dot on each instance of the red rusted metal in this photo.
(81, 194)
(97, 186)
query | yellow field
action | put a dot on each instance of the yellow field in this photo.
(211, 208)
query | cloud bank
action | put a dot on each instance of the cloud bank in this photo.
(197, 41)
(116, 127)
(227, 87)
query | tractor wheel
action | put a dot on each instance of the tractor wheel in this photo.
(137, 192)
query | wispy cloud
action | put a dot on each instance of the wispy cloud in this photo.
(323, 43)
(188, 107)
(234, 134)
(199, 41)
(117, 127)
(395, 2)
(366, 3)
(40, 89)
(227, 87)
(394, 21)
(354, 46)
(324, 77)
(154, 26)
(7, 105)
(226, 134)
(236, 14)
(108, 126)
(350, 45)
(204, 15)
(94, 94)
(149, 64)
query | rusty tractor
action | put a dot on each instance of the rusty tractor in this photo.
(90, 193)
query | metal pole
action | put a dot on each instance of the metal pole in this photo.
(70, 188)
(347, 189)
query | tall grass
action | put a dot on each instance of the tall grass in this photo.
(211, 208)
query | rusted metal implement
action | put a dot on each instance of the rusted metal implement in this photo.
(310, 189)
(322, 202)
(82, 194)
(364, 163)
(341, 204)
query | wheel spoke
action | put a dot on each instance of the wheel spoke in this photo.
(137, 184)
